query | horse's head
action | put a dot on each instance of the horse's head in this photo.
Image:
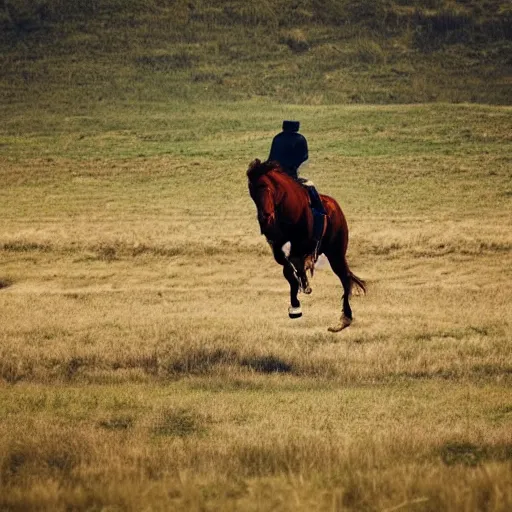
(263, 193)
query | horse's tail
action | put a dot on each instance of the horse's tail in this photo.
(360, 283)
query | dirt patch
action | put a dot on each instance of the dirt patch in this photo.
(5, 283)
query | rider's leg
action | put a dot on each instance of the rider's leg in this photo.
(316, 202)
(318, 209)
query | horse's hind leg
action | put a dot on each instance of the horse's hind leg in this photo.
(340, 268)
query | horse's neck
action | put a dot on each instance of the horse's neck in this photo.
(289, 195)
(288, 186)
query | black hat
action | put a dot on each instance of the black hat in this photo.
(291, 126)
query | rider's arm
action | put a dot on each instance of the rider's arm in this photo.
(274, 149)
(305, 149)
(301, 151)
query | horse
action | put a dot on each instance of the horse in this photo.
(284, 215)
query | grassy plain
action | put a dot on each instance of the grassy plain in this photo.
(146, 358)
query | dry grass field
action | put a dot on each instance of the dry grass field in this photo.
(147, 361)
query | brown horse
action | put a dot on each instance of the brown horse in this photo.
(285, 215)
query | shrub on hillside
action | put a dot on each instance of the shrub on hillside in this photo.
(369, 12)
(451, 24)
(29, 15)
(295, 40)
(23, 15)
(331, 12)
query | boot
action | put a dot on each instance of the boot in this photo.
(318, 228)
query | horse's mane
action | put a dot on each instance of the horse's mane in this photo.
(257, 168)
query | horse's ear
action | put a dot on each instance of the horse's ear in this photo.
(252, 166)
(255, 163)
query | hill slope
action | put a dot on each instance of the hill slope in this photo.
(312, 52)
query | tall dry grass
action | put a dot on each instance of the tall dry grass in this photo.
(146, 356)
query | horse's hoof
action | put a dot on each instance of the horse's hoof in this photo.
(294, 312)
(308, 290)
(344, 323)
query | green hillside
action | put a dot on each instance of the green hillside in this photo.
(77, 52)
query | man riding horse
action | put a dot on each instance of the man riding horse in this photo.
(290, 149)
(284, 214)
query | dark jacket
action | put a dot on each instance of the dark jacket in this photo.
(290, 149)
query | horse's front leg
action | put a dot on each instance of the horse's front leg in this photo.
(297, 264)
(294, 311)
(290, 274)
